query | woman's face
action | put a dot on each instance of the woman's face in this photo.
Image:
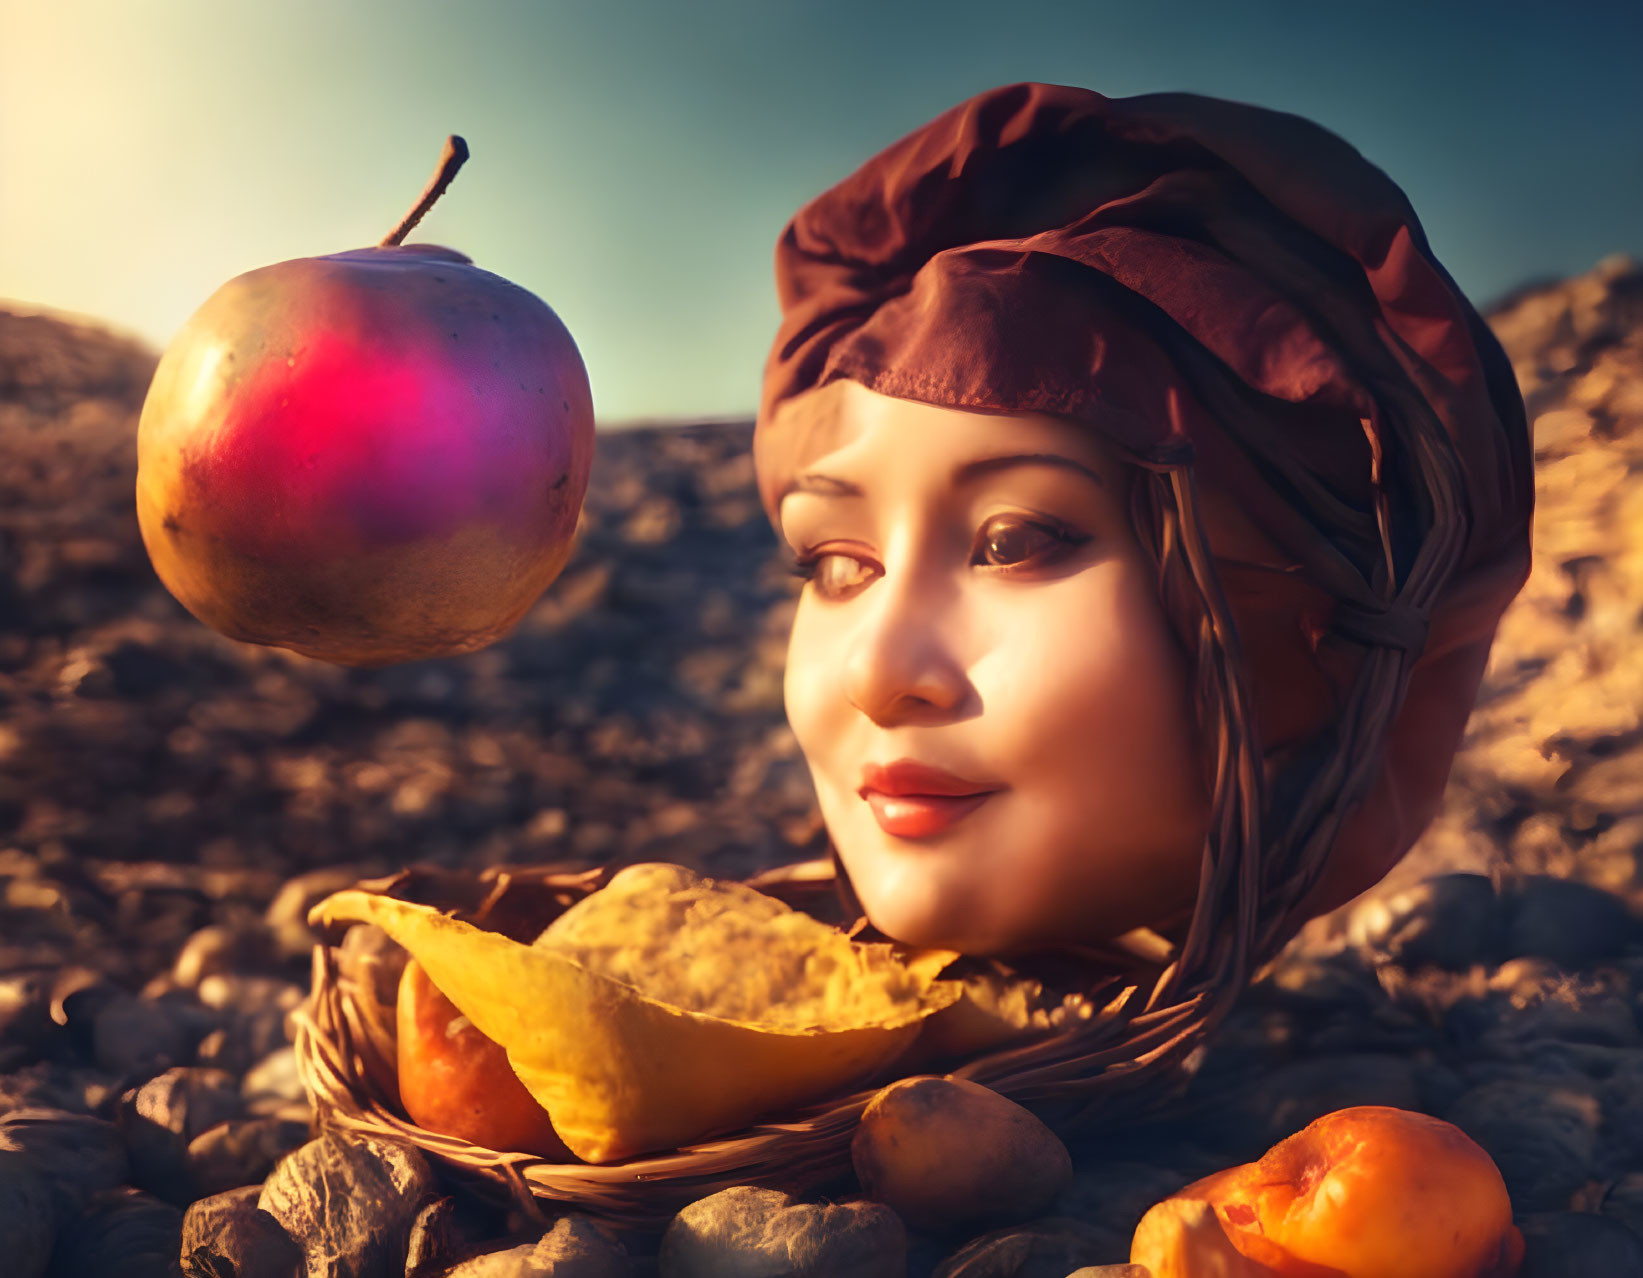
(980, 619)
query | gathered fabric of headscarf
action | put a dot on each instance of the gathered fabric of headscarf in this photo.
(1334, 470)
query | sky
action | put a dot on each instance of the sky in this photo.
(633, 161)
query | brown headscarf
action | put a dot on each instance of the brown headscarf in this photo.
(1334, 466)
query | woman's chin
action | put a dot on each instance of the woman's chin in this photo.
(938, 929)
(933, 930)
(939, 904)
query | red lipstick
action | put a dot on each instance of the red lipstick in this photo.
(913, 800)
(908, 776)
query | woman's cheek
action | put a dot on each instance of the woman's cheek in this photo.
(817, 710)
(801, 681)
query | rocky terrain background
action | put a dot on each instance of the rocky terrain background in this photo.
(171, 801)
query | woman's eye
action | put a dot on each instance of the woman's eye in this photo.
(1005, 542)
(1009, 541)
(832, 574)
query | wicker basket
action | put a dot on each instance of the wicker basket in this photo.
(346, 1055)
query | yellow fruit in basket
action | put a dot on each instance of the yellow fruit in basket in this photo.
(728, 950)
(667, 1007)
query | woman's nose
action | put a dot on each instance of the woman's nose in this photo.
(900, 665)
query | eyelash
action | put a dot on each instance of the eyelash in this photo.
(804, 566)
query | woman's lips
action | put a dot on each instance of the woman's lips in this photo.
(913, 800)
(917, 816)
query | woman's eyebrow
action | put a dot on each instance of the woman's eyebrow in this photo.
(984, 465)
(818, 486)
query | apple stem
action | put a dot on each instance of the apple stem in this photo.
(450, 160)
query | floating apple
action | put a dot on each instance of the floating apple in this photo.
(370, 457)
